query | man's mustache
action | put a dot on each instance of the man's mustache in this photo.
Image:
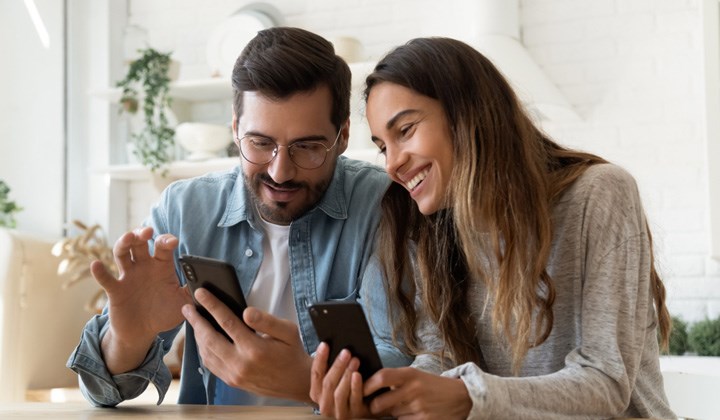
(265, 179)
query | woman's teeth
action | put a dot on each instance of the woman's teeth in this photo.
(417, 179)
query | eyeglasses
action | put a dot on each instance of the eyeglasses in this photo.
(260, 150)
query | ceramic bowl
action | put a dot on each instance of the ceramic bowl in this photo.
(203, 141)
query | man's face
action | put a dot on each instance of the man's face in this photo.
(281, 190)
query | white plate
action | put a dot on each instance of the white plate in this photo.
(229, 38)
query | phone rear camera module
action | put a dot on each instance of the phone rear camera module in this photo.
(188, 271)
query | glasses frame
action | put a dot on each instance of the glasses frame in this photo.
(277, 147)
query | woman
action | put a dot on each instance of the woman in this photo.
(535, 293)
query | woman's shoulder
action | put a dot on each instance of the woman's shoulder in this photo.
(605, 180)
(605, 173)
(604, 195)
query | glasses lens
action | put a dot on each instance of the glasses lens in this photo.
(257, 150)
(305, 154)
(308, 154)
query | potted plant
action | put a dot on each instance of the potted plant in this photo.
(678, 344)
(704, 337)
(147, 80)
(7, 208)
(77, 253)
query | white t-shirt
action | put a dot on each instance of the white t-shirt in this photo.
(272, 290)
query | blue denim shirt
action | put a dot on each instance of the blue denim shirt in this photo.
(331, 255)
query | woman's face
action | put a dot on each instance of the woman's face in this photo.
(412, 131)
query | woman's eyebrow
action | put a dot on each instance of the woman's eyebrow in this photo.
(392, 121)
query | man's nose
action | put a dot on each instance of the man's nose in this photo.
(282, 169)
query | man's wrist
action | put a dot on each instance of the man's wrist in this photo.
(123, 354)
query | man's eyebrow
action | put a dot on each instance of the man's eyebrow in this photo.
(312, 137)
(392, 121)
(256, 134)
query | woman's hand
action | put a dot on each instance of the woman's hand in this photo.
(418, 395)
(338, 391)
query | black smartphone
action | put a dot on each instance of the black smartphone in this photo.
(342, 325)
(220, 279)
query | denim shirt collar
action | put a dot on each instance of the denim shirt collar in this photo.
(332, 203)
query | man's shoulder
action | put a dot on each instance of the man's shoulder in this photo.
(364, 174)
(209, 183)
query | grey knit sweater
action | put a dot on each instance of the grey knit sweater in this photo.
(601, 359)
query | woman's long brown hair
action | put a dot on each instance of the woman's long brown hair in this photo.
(509, 176)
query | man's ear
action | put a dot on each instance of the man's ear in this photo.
(234, 129)
(344, 137)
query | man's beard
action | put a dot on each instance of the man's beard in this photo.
(278, 212)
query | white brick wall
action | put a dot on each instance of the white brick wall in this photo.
(632, 69)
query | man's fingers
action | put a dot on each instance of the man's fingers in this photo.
(132, 246)
(101, 275)
(140, 248)
(280, 329)
(121, 250)
(165, 245)
(227, 319)
(205, 333)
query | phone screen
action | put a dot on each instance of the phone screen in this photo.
(220, 279)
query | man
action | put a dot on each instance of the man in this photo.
(297, 222)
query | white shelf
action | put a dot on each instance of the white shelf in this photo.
(178, 169)
(185, 90)
(181, 169)
(218, 89)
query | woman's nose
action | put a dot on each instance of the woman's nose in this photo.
(394, 160)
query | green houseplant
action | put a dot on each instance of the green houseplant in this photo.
(7, 208)
(147, 80)
(704, 337)
(678, 337)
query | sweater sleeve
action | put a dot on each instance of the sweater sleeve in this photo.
(599, 374)
(596, 381)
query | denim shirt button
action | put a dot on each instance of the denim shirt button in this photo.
(248, 252)
(200, 370)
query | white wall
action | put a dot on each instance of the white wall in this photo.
(32, 137)
(634, 71)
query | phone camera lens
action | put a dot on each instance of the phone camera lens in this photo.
(188, 272)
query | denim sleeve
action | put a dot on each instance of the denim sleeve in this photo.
(103, 389)
(374, 299)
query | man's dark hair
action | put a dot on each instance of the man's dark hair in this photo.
(282, 61)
